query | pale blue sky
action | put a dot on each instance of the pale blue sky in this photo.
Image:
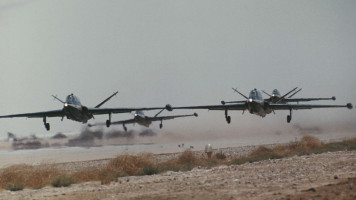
(179, 52)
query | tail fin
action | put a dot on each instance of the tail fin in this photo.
(282, 97)
(159, 112)
(240, 93)
(266, 93)
(56, 98)
(295, 93)
(100, 104)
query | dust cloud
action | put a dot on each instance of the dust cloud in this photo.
(307, 130)
(86, 138)
(89, 137)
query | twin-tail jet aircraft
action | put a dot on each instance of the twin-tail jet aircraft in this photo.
(144, 120)
(277, 98)
(255, 104)
(75, 111)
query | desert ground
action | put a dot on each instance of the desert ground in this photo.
(329, 175)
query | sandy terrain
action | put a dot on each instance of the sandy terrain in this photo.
(312, 176)
(271, 179)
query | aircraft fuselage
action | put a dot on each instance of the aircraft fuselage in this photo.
(275, 97)
(142, 120)
(77, 113)
(258, 108)
(256, 105)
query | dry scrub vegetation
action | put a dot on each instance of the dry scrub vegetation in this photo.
(17, 177)
(30, 176)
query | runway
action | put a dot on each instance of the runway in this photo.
(158, 144)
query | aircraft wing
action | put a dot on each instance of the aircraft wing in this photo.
(237, 106)
(94, 111)
(170, 117)
(305, 106)
(307, 99)
(99, 111)
(231, 102)
(129, 121)
(51, 113)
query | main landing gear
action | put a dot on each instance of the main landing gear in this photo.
(47, 126)
(289, 117)
(125, 128)
(228, 118)
(108, 122)
(161, 125)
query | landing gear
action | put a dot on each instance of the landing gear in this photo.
(47, 126)
(108, 122)
(228, 118)
(160, 125)
(289, 117)
(125, 128)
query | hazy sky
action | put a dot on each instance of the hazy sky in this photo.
(183, 52)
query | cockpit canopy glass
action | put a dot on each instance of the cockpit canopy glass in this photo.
(276, 93)
(255, 94)
(71, 99)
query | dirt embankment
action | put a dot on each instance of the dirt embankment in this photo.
(324, 176)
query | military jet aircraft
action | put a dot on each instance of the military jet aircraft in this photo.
(255, 104)
(75, 111)
(144, 120)
(276, 97)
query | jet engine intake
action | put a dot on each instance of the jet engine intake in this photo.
(265, 105)
(85, 109)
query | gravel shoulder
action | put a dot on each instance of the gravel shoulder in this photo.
(270, 179)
